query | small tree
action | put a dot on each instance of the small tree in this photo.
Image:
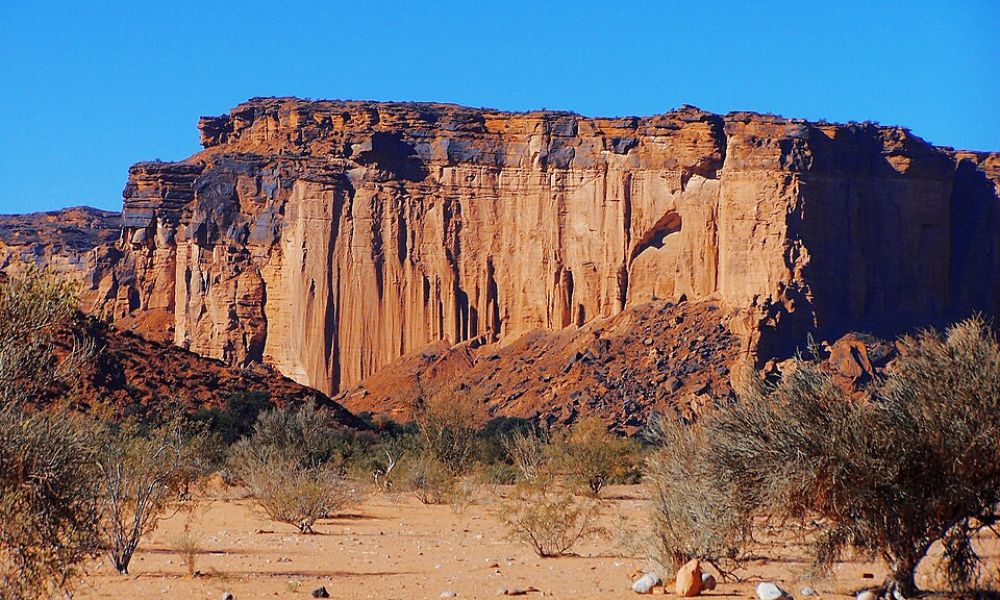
(917, 462)
(141, 473)
(591, 456)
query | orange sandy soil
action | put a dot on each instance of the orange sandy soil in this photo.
(393, 547)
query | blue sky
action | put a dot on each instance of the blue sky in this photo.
(87, 88)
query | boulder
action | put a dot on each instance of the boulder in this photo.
(688, 580)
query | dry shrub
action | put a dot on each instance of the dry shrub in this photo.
(449, 429)
(187, 546)
(591, 457)
(695, 514)
(37, 308)
(430, 480)
(915, 463)
(548, 519)
(48, 508)
(527, 452)
(293, 466)
(140, 474)
(289, 491)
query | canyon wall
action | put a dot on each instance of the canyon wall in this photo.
(329, 238)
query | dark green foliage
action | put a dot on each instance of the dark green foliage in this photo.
(236, 419)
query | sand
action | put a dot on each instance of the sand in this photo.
(393, 547)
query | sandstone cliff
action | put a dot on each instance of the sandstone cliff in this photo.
(329, 238)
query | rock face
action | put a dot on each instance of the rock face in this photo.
(329, 238)
(60, 239)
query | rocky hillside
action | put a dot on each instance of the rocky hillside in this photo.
(133, 376)
(331, 238)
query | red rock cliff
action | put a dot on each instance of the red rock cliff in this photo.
(329, 238)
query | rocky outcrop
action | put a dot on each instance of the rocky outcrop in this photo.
(330, 238)
(59, 239)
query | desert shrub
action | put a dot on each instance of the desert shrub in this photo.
(915, 463)
(548, 519)
(429, 480)
(591, 457)
(288, 490)
(140, 473)
(48, 511)
(527, 454)
(449, 430)
(187, 546)
(293, 466)
(695, 514)
(494, 434)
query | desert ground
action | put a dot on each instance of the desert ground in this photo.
(393, 547)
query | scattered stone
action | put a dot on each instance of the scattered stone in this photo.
(645, 584)
(448, 594)
(770, 591)
(227, 596)
(866, 595)
(688, 579)
(708, 582)
(320, 592)
(808, 591)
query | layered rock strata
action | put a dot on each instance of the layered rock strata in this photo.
(329, 238)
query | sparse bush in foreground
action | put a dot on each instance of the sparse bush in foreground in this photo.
(918, 462)
(140, 474)
(695, 515)
(549, 520)
(48, 509)
(591, 457)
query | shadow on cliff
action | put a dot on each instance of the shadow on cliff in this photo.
(391, 153)
(899, 237)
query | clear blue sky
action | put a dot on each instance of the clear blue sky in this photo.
(88, 88)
